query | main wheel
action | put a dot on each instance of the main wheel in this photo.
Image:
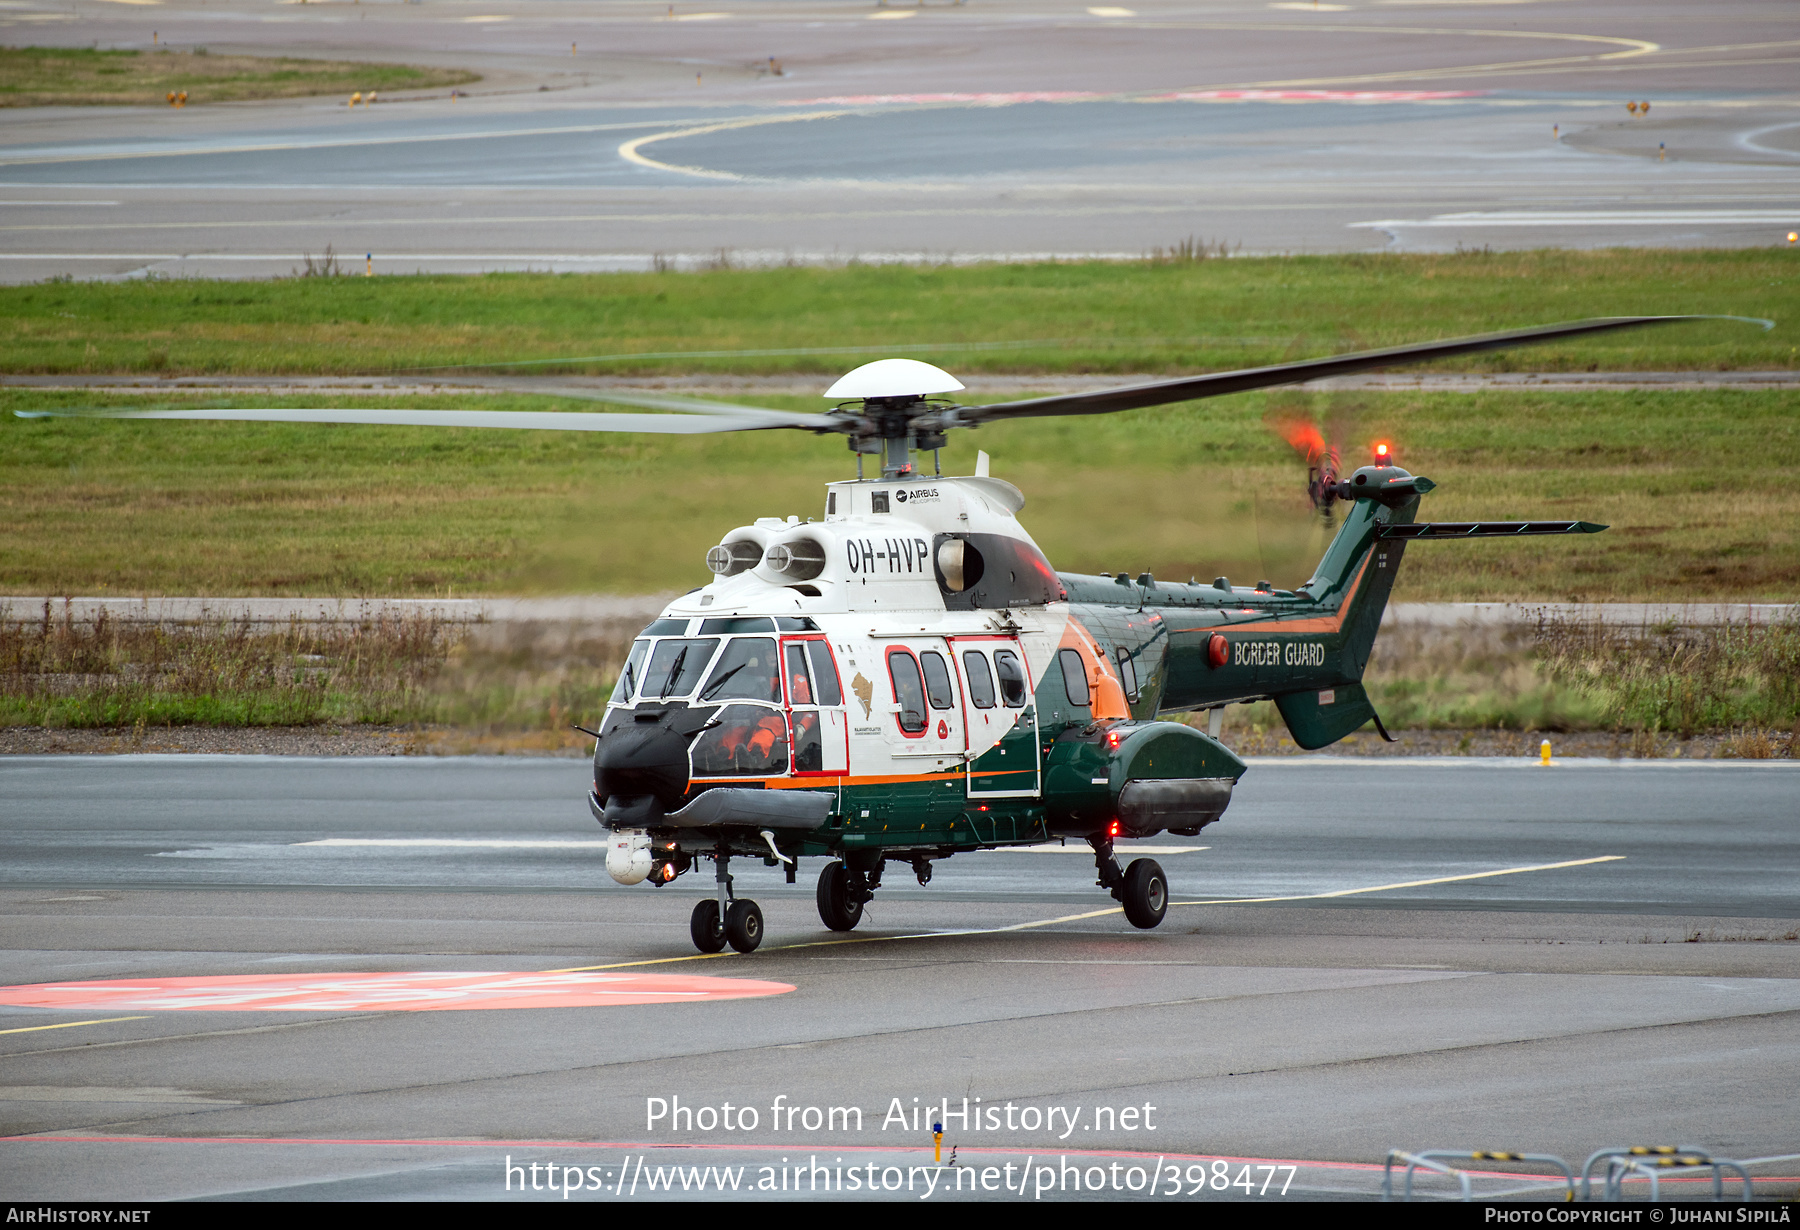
(743, 925)
(704, 926)
(1146, 893)
(837, 909)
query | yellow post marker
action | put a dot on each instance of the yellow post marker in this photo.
(356, 98)
(1662, 151)
(1556, 132)
(571, 48)
(937, 1143)
(1544, 753)
(369, 269)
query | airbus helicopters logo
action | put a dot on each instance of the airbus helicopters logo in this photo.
(890, 555)
(918, 495)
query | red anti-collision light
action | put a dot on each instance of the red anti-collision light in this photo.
(1112, 738)
(1218, 650)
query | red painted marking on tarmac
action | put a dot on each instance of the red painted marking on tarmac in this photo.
(395, 992)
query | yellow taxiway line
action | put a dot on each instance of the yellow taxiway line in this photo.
(111, 1020)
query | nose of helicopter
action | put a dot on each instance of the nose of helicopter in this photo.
(640, 771)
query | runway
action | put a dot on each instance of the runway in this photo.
(1475, 953)
(989, 130)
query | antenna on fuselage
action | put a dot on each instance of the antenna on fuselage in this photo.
(981, 463)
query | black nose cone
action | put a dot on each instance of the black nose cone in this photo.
(642, 760)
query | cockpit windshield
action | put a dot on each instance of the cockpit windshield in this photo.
(676, 667)
(626, 688)
(746, 671)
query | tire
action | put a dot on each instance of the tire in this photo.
(744, 925)
(836, 908)
(1146, 893)
(704, 926)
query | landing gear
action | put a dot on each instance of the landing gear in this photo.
(723, 919)
(704, 926)
(1141, 888)
(743, 925)
(840, 904)
(1145, 893)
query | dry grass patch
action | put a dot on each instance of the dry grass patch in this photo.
(79, 76)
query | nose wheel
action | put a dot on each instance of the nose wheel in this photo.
(724, 919)
(704, 926)
(744, 925)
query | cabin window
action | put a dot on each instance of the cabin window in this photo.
(909, 690)
(937, 681)
(831, 503)
(1012, 678)
(676, 667)
(878, 501)
(1128, 673)
(1074, 673)
(747, 740)
(746, 671)
(626, 687)
(981, 680)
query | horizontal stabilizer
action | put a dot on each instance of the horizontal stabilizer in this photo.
(1486, 529)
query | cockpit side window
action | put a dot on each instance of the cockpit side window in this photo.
(746, 671)
(626, 687)
(675, 667)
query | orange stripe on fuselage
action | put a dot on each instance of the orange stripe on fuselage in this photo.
(1323, 623)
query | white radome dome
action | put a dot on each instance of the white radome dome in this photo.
(894, 378)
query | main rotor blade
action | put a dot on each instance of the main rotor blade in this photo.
(663, 401)
(531, 420)
(1217, 384)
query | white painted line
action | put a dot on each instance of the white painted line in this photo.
(459, 843)
(1600, 217)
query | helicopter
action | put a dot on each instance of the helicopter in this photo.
(907, 678)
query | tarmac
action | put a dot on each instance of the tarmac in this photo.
(636, 136)
(1362, 956)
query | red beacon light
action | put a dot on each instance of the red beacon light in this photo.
(1112, 830)
(1381, 456)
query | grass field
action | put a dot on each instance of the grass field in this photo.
(80, 76)
(1698, 487)
(1074, 317)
